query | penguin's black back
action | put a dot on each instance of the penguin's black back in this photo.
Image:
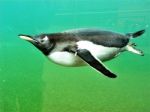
(100, 37)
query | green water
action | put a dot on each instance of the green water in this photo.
(31, 83)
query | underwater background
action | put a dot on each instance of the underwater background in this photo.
(29, 82)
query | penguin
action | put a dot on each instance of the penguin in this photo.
(84, 46)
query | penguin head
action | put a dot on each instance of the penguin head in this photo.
(41, 42)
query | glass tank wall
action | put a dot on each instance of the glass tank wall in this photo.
(29, 82)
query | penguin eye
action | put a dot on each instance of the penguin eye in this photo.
(42, 41)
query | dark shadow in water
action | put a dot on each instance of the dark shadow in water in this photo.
(20, 83)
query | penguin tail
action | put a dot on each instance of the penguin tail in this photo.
(131, 47)
(136, 34)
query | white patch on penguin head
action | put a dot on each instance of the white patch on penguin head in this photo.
(45, 38)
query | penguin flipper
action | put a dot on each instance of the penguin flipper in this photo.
(93, 62)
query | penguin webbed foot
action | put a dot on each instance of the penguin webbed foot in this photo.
(131, 47)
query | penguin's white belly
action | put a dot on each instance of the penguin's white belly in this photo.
(105, 53)
(66, 59)
(98, 51)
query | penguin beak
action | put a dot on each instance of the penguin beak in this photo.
(28, 38)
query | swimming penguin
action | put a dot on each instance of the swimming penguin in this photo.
(81, 47)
